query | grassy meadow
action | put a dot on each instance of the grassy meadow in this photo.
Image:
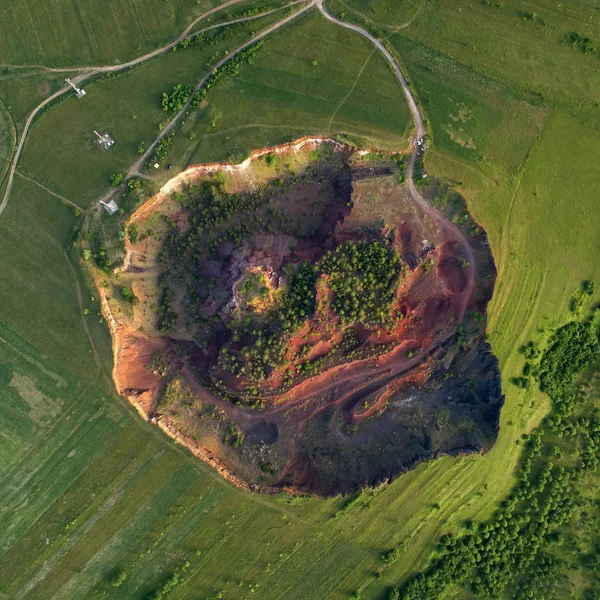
(311, 78)
(65, 33)
(333, 97)
(89, 491)
(7, 140)
(128, 106)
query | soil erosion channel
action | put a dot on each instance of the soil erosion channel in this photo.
(301, 322)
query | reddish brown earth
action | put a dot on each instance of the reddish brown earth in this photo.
(431, 388)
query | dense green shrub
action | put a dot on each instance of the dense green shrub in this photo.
(175, 100)
(363, 277)
(572, 349)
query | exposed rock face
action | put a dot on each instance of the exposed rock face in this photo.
(447, 415)
(425, 386)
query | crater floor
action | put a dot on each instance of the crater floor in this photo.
(301, 323)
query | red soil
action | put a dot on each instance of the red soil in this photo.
(432, 298)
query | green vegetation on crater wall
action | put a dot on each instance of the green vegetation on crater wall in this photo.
(364, 278)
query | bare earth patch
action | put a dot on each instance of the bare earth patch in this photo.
(301, 323)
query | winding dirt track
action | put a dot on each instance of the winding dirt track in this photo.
(419, 135)
(93, 71)
(135, 167)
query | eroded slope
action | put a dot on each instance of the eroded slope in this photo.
(301, 322)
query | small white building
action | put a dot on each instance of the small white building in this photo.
(79, 92)
(110, 207)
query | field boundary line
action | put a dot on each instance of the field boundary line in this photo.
(84, 321)
(64, 590)
(333, 544)
(361, 588)
(343, 101)
(504, 242)
(250, 126)
(56, 423)
(465, 165)
(394, 28)
(14, 134)
(70, 542)
(62, 198)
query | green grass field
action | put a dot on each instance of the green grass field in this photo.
(7, 140)
(65, 33)
(88, 489)
(334, 97)
(474, 34)
(349, 93)
(128, 106)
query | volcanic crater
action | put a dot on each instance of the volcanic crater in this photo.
(302, 323)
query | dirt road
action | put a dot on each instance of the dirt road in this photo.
(419, 135)
(93, 71)
(136, 166)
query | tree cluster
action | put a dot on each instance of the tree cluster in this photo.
(264, 348)
(364, 277)
(571, 350)
(175, 100)
(508, 549)
(229, 69)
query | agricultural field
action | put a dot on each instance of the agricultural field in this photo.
(8, 137)
(128, 106)
(313, 78)
(97, 503)
(543, 57)
(65, 34)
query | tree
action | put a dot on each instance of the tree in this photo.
(588, 287)
(87, 254)
(127, 294)
(393, 594)
(116, 179)
(175, 100)
(135, 184)
(118, 578)
(133, 232)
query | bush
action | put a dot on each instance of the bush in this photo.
(133, 232)
(118, 578)
(175, 100)
(135, 184)
(116, 179)
(127, 294)
(391, 556)
(521, 382)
